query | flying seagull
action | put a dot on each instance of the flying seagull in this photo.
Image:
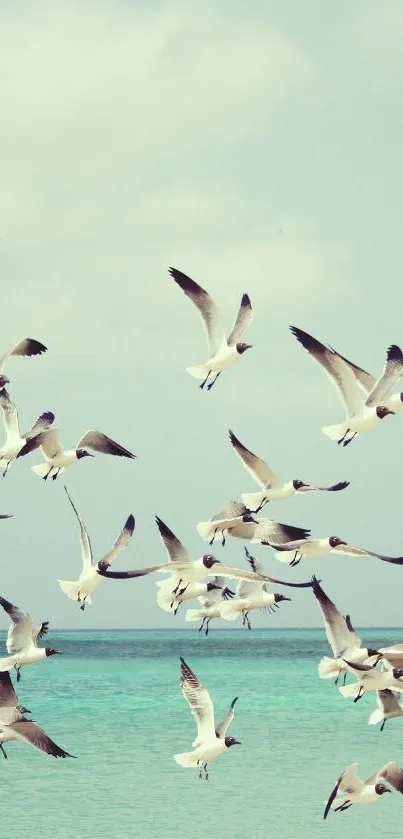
(273, 488)
(369, 678)
(15, 726)
(22, 640)
(342, 638)
(89, 580)
(250, 596)
(350, 789)
(292, 552)
(15, 441)
(223, 352)
(211, 741)
(26, 347)
(389, 706)
(210, 604)
(58, 458)
(235, 519)
(364, 411)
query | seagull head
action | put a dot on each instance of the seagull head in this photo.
(381, 788)
(50, 651)
(397, 673)
(83, 453)
(279, 597)
(247, 517)
(23, 710)
(382, 411)
(241, 347)
(371, 652)
(4, 381)
(300, 486)
(334, 541)
(209, 560)
(230, 741)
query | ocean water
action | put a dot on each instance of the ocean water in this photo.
(113, 700)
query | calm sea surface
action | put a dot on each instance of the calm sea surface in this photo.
(113, 700)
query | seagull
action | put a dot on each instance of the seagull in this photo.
(250, 596)
(15, 441)
(22, 640)
(292, 552)
(389, 706)
(89, 580)
(369, 678)
(342, 638)
(210, 604)
(368, 382)
(350, 789)
(273, 488)
(224, 352)
(15, 726)
(236, 519)
(211, 742)
(58, 458)
(26, 347)
(362, 413)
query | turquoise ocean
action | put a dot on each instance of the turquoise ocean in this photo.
(113, 700)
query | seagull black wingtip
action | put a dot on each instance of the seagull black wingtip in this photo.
(394, 353)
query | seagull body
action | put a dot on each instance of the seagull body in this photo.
(389, 706)
(350, 789)
(292, 552)
(367, 383)
(22, 640)
(15, 441)
(342, 638)
(224, 352)
(273, 488)
(250, 596)
(236, 520)
(89, 579)
(363, 410)
(58, 458)
(15, 726)
(211, 741)
(369, 678)
(210, 604)
(26, 347)
(167, 588)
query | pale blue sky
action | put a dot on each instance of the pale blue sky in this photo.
(256, 147)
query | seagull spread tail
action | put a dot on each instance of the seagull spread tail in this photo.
(71, 589)
(204, 530)
(350, 690)
(198, 372)
(7, 663)
(329, 668)
(335, 432)
(230, 609)
(187, 759)
(376, 716)
(195, 615)
(43, 469)
(252, 500)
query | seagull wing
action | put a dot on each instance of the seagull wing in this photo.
(8, 696)
(176, 551)
(101, 443)
(240, 574)
(26, 347)
(120, 543)
(50, 443)
(10, 416)
(30, 732)
(254, 563)
(223, 727)
(352, 551)
(20, 631)
(257, 468)
(242, 321)
(210, 312)
(339, 371)
(337, 632)
(140, 572)
(388, 700)
(393, 775)
(274, 531)
(41, 424)
(392, 372)
(333, 488)
(40, 632)
(230, 511)
(200, 703)
(364, 379)
(349, 782)
(86, 550)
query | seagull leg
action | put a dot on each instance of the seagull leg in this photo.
(201, 625)
(45, 477)
(262, 503)
(214, 535)
(199, 766)
(343, 437)
(1, 747)
(175, 591)
(18, 672)
(207, 625)
(182, 591)
(175, 611)
(336, 681)
(345, 677)
(210, 385)
(82, 607)
(203, 383)
(222, 538)
(383, 725)
(360, 694)
(247, 621)
(6, 469)
(346, 442)
(206, 775)
(56, 474)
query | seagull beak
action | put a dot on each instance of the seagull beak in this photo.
(391, 412)
(233, 701)
(57, 652)
(237, 742)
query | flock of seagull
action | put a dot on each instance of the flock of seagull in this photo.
(367, 401)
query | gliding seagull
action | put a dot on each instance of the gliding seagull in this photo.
(58, 458)
(362, 413)
(22, 640)
(350, 789)
(224, 352)
(15, 726)
(210, 742)
(89, 580)
(389, 706)
(15, 441)
(273, 488)
(292, 552)
(235, 519)
(250, 596)
(26, 347)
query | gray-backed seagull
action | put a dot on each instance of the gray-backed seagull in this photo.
(15, 441)
(211, 741)
(224, 352)
(389, 706)
(15, 726)
(364, 411)
(89, 580)
(350, 789)
(22, 640)
(369, 678)
(273, 488)
(236, 520)
(251, 596)
(58, 458)
(26, 347)
(292, 552)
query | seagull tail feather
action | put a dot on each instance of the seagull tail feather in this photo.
(252, 500)
(187, 759)
(376, 716)
(335, 432)
(194, 615)
(231, 609)
(329, 668)
(350, 690)
(71, 589)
